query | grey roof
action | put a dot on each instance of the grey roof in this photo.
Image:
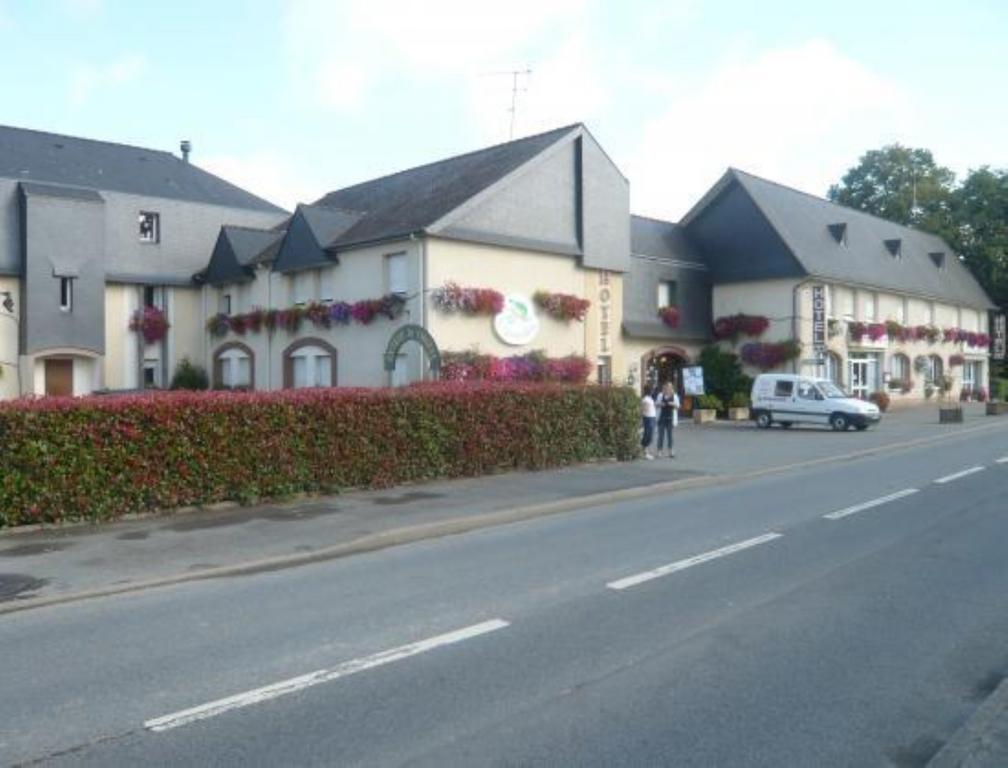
(802, 221)
(252, 245)
(37, 156)
(327, 223)
(661, 240)
(411, 200)
(34, 189)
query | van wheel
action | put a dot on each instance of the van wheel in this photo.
(763, 420)
(839, 422)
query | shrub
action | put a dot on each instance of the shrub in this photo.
(189, 376)
(881, 399)
(99, 458)
(723, 374)
(710, 402)
(1001, 389)
(739, 400)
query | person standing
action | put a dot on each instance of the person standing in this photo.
(667, 406)
(648, 417)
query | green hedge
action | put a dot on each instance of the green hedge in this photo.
(99, 458)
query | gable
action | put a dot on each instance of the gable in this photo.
(737, 241)
(299, 248)
(605, 209)
(224, 267)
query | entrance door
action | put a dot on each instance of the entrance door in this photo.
(59, 378)
(862, 377)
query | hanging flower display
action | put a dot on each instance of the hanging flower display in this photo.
(874, 331)
(151, 323)
(561, 306)
(451, 297)
(532, 366)
(218, 324)
(733, 326)
(670, 316)
(766, 355)
(319, 314)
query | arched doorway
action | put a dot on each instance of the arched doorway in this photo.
(407, 333)
(663, 364)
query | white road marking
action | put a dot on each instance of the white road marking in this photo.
(957, 475)
(295, 684)
(840, 513)
(1003, 460)
(665, 570)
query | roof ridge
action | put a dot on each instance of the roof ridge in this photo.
(87, 139)
(265, 230)
(451, 158)
(653, 218)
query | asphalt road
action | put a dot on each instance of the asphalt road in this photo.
(850, 614)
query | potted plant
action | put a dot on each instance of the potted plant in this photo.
(948, 412)
(738, 407)
(706, 409)
(997, 406)
(881, 399)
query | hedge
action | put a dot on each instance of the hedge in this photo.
(99, 458)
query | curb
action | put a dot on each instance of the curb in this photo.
(458, 525)
(982, 741)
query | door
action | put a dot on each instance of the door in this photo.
(860, 378)
(808, 403)
(59, 378)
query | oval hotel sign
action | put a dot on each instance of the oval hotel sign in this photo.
(517, 323)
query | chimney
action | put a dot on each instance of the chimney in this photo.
(186, 147)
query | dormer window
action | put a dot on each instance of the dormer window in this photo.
(150, 227)
(838, 232)
(938, 257)
(895, 247)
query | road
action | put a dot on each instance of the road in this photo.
(848, 614)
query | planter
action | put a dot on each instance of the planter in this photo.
(950, 415)
(738, 414)
(999, 408)
(703, 415)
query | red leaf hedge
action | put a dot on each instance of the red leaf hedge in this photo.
(99, 458)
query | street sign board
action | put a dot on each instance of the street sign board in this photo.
(818, 319)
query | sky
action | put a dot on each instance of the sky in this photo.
(294, 98)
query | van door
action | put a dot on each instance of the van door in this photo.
(810, 403)
(782, 402)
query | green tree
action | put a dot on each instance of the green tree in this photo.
(980, 211)
(901, 184)
(722, 372)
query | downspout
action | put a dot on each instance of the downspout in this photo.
(794, 318)
(269, 334)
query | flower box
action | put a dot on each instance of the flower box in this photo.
(738, 414)
(997, 408)
(704, 415)
(950, 415)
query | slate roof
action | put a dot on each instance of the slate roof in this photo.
(37, 156)
(802, 221)
(409, 201)
(33, 189)
(661, 240)
(251, 245)
(326, 223)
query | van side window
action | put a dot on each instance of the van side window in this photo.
(784, 388)
(806, 391)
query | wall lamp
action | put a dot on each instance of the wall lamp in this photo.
(8, 302)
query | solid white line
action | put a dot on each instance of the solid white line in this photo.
(957, 475)
(1003, 460)
(665, 570)
(294, 684)
(840, 513)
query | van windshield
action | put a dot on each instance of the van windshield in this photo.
(829, 389)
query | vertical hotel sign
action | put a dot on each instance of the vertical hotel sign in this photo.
(605, 314)
(819, 321)
(997, 335)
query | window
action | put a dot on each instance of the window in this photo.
(309, 363)
(899, 369)
(868, 302)
(148, 296)
(150, 227)
(151, 377)
(806, 390)
(395, 269)
(668, 293)
(834, 368)
(233, 367)
(783, 388)
(224, 304)
(303, 285)
(604, 370)
(848, 304)
(66, 294)
(931, 312)
(327, 290)
(901, 310)
(969, 375)
(935, 368)
(830, 302)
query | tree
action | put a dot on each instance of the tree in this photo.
(901, 184)
(980, 211)
(723, 374)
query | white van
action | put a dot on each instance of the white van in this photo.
(786, 398)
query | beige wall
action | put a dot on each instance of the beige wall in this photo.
(9, 339)
(508, 271)
(769, 298)
(186, 336)
(120, 343)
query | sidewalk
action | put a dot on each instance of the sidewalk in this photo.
(39, 566)
(982, 742)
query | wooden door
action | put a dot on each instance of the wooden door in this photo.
(59, 377)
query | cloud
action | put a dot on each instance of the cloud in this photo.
(268, 175)
(84, 8)
(87, 79)
(800, 115)
(340, 85)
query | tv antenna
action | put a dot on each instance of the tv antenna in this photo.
(514, 74)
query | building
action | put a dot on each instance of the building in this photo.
(90, 233)
(326, 296)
